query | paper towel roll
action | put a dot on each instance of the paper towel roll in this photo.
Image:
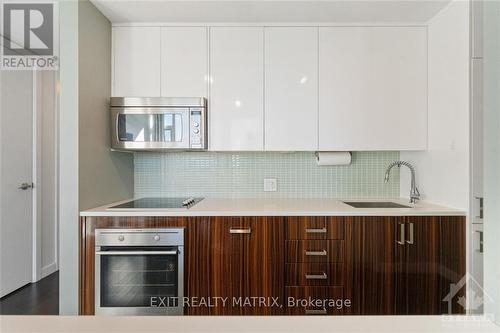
(333, 158)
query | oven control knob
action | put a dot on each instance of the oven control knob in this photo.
(195, 124)
(121, 238)
(196, 131)
(156, 238)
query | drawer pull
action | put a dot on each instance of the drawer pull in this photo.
(316, 311)
(240, 231)
(316, 231)
(321, 276)
(316, 253)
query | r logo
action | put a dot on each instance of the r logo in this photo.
(28, 29)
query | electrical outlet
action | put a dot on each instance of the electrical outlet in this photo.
(270, 184)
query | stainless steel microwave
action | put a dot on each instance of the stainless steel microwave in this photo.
(158, 123)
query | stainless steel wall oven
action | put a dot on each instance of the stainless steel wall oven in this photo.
(139, 271)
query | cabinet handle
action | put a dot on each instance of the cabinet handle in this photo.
(480, 250)
(401, 234)
(316, 253)
(316, 311)
(240, 231)
(411, 234)
(316, 231)
(321, 276)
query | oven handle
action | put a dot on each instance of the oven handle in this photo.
(128, 253)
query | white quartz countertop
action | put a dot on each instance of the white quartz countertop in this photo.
(280, 207)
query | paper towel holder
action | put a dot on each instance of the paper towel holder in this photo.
(340, 162)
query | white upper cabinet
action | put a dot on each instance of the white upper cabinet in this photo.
(236, 117)
(136, 66)
(373, 88)
(291, 88)
(184, 62)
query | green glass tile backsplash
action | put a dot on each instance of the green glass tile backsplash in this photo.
(241, 175)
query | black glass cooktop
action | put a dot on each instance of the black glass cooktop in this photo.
(159, 203)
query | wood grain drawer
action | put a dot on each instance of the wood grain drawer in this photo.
(315, 300)
(314, 274)
(320, 227)
(314, 251)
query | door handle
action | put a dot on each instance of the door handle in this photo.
(411, 234)
(25, 186)
(480, 250)
(240, 231)
(321, 276)
(316, 253)
(315, 311)
(316, 231)
(401, 240)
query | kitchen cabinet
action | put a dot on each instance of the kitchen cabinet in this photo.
(315, 264)
(136, 61)
(248, 261)
(434, 259)
(404, 265)
(291, 88)
(370, 276)
(184, 62)
(236, 114)
(379, 265)
(372, 88)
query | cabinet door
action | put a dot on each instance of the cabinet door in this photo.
(236, 116)
(370, 265)
(435, 258)
(248, 262)
(373, 88)
(184, 61)
(136, 61)
(291, 81)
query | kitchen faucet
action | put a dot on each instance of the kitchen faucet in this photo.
(414, 193)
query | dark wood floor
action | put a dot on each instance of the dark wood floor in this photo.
(40, 298)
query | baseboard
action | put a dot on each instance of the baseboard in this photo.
(49, 269)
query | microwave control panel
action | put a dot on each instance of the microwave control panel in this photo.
(197, 128)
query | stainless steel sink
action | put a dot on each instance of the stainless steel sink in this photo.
(374, 204)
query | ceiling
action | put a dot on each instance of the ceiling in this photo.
(279, 11)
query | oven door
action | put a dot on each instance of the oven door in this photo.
(139, 280)
(150, 128)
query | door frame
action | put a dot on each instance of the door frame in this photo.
(38, 271)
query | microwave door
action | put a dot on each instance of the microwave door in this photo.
(150, 129)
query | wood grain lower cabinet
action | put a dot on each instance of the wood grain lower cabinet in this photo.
(434, 258)
(381, 265)
(247, 264)
(404, 265)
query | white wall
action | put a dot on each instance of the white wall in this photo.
(68, 159)
(104, 176)
(89, 173)
(491, 107)
(443, 170)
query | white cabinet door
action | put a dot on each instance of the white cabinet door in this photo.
(373, 88)
(136, 61)
(291, 81)
(184, 62)
(236, 116)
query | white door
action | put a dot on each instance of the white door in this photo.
(236, 115)
(184, 61)
(16, 168)
(291, 81)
